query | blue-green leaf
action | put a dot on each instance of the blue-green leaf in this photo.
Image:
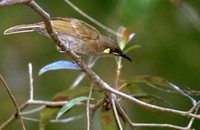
(58, 65)
(69, 105)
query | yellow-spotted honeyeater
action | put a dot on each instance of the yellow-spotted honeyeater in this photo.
(79, 36)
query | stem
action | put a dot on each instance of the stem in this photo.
(18, 114)
(13, 117)
(89, 120)
(113, 101)
(92, 19)
(118, 73)
(12, 2)
(30, 68)
(91, 63)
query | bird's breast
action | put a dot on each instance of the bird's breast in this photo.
(82, 46)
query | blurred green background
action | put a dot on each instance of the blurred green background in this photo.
(170, 49)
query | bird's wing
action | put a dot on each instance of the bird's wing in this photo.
(75, 28)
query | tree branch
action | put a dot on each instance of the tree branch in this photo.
(12, 2)
(113, 101)
(134, 125)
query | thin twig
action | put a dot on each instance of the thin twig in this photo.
(192, 119)
(162, 89)
(160, 126)
(190, 123)
(93, 110)
(113, 100)
(52, 103)
(118, 72)
(188, 11)
(194, 102)
(30, 70)
(194, 107)
(7, 122)
(99, 104)
(33, 110)
(12, 118)
(77, 80)
(92, 19)
(12, 2)
(124, 115)
(12, 97)
(89, 124)
(180, 91)
(67, 120)
(134, 125)
(31, 119)
(91, 63)
(37, 102)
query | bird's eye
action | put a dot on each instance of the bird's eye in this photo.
(107, 51)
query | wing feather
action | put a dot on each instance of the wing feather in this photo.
(75, 28)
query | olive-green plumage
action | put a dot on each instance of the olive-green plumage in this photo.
(81, 37)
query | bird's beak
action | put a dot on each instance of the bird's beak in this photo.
(125, 56)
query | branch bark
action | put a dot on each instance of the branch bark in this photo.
(12, 2)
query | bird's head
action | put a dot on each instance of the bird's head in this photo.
(110, 47)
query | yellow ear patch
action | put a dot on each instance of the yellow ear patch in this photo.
(107, 51)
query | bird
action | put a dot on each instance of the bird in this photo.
(80, 37)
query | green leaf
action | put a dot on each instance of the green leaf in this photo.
(192, 92)
(58, 65)
(150, 98)
(152, 81)
(160, 84)
(133, 88)
(132, 48)
(46, 115)
(49, 112)
(136, 91)
(69, 94)
(108, 121)
(125, 37)
(69, 105)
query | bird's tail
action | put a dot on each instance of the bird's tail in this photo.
(22, 29)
